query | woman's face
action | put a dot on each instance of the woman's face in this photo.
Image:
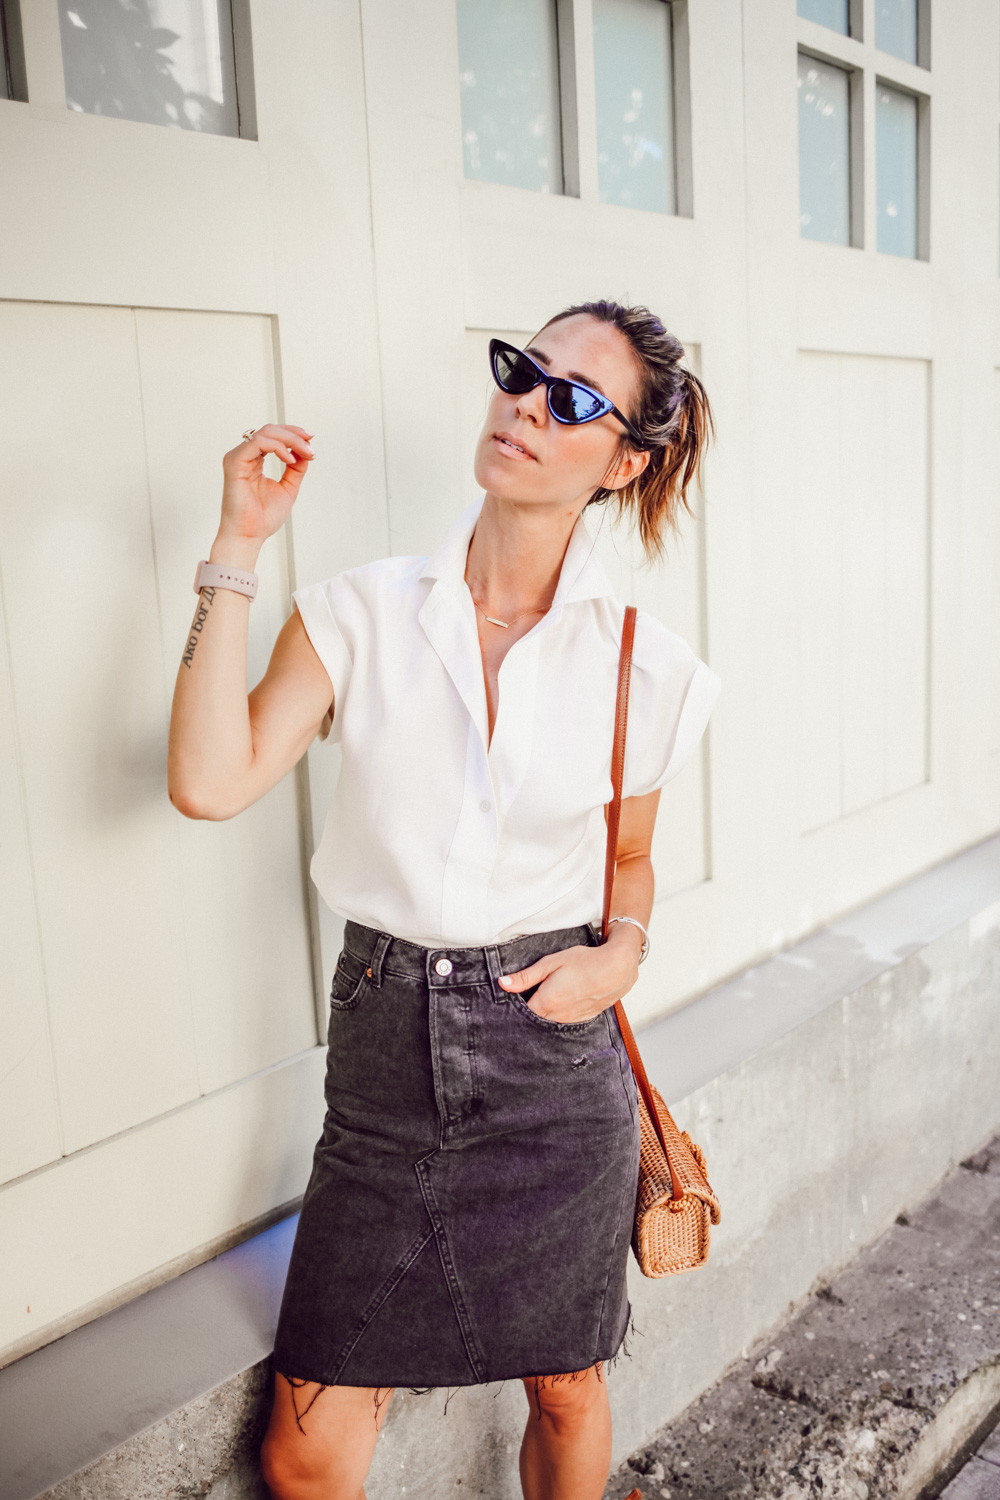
(524, 454)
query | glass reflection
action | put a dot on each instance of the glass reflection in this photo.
(165, 62)
(896, 28)
(896, 170)
(824, 152)
(832, 13)
(633, 69)
(509, 74)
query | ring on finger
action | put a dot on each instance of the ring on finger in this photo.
(250, 432)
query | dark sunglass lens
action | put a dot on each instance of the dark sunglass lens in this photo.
(574, 403)
(513, 372)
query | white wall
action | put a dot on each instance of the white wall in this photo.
(163, 290)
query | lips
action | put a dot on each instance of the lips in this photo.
(510, 445)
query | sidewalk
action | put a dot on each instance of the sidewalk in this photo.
(881, 1387)
(979, 1479)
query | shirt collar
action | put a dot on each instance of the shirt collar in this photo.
(582, 575)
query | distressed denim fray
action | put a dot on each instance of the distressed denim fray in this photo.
(469, 1212)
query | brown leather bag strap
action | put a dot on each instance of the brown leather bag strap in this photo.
(614, 818)
(618, 761)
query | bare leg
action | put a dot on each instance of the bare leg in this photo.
(566, 1451)
(321, 1439)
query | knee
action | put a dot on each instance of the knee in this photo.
(567, 1402)
(286, 1466)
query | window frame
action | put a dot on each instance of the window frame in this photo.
(577, 104)
(870, 68)
(14, 74)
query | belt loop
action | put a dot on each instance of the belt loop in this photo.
(595, 934)
(493, 966)
(375, 969)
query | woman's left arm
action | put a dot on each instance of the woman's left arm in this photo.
(578, 983)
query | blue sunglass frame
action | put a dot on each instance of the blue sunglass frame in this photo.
(604, 407)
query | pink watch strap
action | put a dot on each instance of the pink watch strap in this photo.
(220, 576)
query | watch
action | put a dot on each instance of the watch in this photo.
(221, 576)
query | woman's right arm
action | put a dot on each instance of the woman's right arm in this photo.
(227, 747)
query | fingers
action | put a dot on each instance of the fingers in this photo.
(523, 979)
(290, 444)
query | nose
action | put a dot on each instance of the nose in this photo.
(532, 405)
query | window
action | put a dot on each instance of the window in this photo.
(864, 125)
(13, 80)
(509, 74)
(824, 152)
(633, 66)
(896, 170)
(165, 62)
(896, 28)
(832, 13)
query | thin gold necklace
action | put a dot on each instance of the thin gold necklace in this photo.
(508, 623)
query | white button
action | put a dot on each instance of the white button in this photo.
(484, 806)
(443, 966)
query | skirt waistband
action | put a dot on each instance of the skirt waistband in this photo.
(383, 953)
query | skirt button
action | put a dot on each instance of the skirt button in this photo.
(443, 966)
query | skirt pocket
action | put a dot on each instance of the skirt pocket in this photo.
(349, 979)
(571, 1028)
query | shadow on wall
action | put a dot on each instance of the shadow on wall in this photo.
(117, 62)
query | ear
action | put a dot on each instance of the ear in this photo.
(628, 466)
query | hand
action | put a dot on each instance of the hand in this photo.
(577, 983)
(253, 506)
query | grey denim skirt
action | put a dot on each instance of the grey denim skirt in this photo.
(469, 1212)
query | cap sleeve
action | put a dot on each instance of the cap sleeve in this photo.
(317, 605)
(671, 697)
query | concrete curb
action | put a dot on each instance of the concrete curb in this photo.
(874, 1389)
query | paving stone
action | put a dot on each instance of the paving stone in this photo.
(976, 1481)
(835, 1402)
(990, 1449)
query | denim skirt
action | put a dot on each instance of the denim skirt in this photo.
(469, 1212)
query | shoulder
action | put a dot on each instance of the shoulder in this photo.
(371, 587)
(666, 660)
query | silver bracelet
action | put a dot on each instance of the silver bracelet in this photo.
(635, 923)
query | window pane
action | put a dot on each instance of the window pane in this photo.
(832, 13)
(896, 28)
(635, 127)
(509, 69)
(824, 152)
(896, 170)
(167, 62)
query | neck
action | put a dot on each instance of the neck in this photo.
(516, 554)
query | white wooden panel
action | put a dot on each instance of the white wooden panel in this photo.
(991, 600)
(818, 526)
(92, 716)
(29, 1119)
(205, 377)
(108, 1219)
(861, 563)
(906, 503)
(862, 581)
(415, 162)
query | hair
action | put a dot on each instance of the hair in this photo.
(672, 415)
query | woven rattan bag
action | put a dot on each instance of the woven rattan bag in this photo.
(675, 1206)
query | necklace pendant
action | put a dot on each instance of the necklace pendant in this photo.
(494, 621)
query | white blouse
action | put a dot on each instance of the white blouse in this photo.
(439, 836)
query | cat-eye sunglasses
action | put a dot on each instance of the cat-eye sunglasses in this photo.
(569, 401)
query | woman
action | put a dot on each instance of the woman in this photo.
(469, 1210)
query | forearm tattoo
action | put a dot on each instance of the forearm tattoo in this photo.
(200, 616)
